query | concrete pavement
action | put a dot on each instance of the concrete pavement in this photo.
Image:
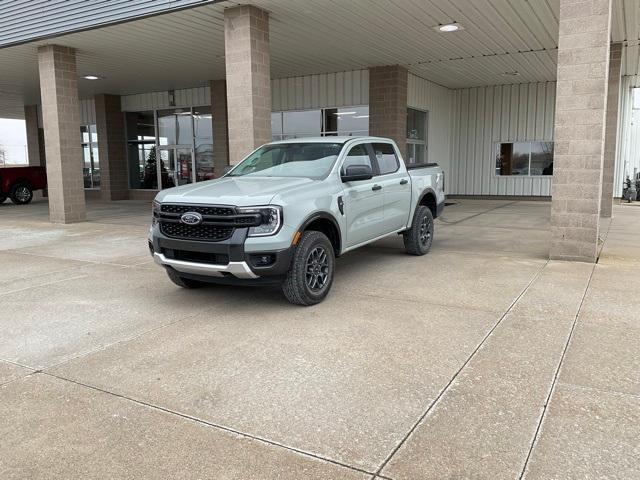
(479, 360)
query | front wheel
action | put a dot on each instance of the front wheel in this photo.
(418, 239)
(21, 194)
(311, 274)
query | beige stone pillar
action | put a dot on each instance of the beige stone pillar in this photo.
(246, 36)
(388, 104)
(33, 135)
(61, 119)
(219, 126)
(611, 129)
(583, 68)
(111, 148)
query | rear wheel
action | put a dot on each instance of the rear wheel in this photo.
(311, 274)
(418, 239)
(183, 282)
(3, 197)
(21, 194)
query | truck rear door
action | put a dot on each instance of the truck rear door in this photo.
(396, 185)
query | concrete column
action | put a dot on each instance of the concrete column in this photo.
(220, 126)
(61, 118)
(246, 36)
(111, 148)
(583, 68)
(611, 129)
(33, 135)
(388, 104)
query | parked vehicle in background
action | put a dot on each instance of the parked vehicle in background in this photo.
(283, 214)
(19, 183)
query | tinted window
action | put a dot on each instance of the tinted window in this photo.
(386, 157)
(358, 155)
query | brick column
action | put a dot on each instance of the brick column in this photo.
(583, 67)
(61, 118)
(220, 126)
(246, 36)
(33, 135)
(388, 104)
(111, 148)
(611, 129)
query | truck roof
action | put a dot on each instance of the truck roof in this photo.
(336, 139)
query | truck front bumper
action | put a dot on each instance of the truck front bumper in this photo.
(226, 261)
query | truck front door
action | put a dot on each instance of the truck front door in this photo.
(364, 201)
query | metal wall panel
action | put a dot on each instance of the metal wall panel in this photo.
(27, 20)
(87, 111)
(317, 91)
(438, 101)
(186, 97)
(485, 116)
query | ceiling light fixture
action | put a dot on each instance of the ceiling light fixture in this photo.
(449, 27)
(511, 74)
(345, 113)
(91, 77)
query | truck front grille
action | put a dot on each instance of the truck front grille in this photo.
(209, 233)
(218, 222)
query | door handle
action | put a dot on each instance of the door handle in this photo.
(404, 181)
(375, 188)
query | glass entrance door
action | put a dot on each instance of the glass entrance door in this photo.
(176, 166)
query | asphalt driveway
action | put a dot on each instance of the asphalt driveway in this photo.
(479, 360)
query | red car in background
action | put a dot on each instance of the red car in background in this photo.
(19, 183)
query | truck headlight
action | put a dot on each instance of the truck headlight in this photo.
(155, 212)
(271, 220)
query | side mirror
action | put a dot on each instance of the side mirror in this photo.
(354, 173)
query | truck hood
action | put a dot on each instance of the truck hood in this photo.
(240, 191)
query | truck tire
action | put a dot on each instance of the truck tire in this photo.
(311, 274)
(21, 194)
(418, 239)
(3, 197)
(183, 282)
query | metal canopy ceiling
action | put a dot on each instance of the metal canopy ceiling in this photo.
(186, 48)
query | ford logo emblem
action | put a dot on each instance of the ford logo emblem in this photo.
(191, 218)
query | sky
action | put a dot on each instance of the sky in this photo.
(13, 141)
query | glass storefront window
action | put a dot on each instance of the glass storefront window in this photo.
(524, 158)
(307, 123)
(141, 150)
(203, 143)
(325, 122)
(416, 136)
(91, 162)
(175, 127)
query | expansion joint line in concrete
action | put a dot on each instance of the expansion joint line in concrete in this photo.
(536, 435)
(477, 214)
(435, 402)
(209, 424)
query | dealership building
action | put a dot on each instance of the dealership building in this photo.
(514, 98)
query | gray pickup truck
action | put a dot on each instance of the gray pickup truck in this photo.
(283, 214)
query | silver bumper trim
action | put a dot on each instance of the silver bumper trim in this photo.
(237, 269)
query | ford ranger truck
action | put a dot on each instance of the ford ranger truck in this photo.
(283, 214)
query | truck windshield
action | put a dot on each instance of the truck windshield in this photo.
(307, 160)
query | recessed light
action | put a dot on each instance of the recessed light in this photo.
(91, 77)
(511, 74)
(449, 27)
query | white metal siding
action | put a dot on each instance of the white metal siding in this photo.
(186, 97)
(438, 101)
(87, 112)
(482, 117)
(318, 91)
